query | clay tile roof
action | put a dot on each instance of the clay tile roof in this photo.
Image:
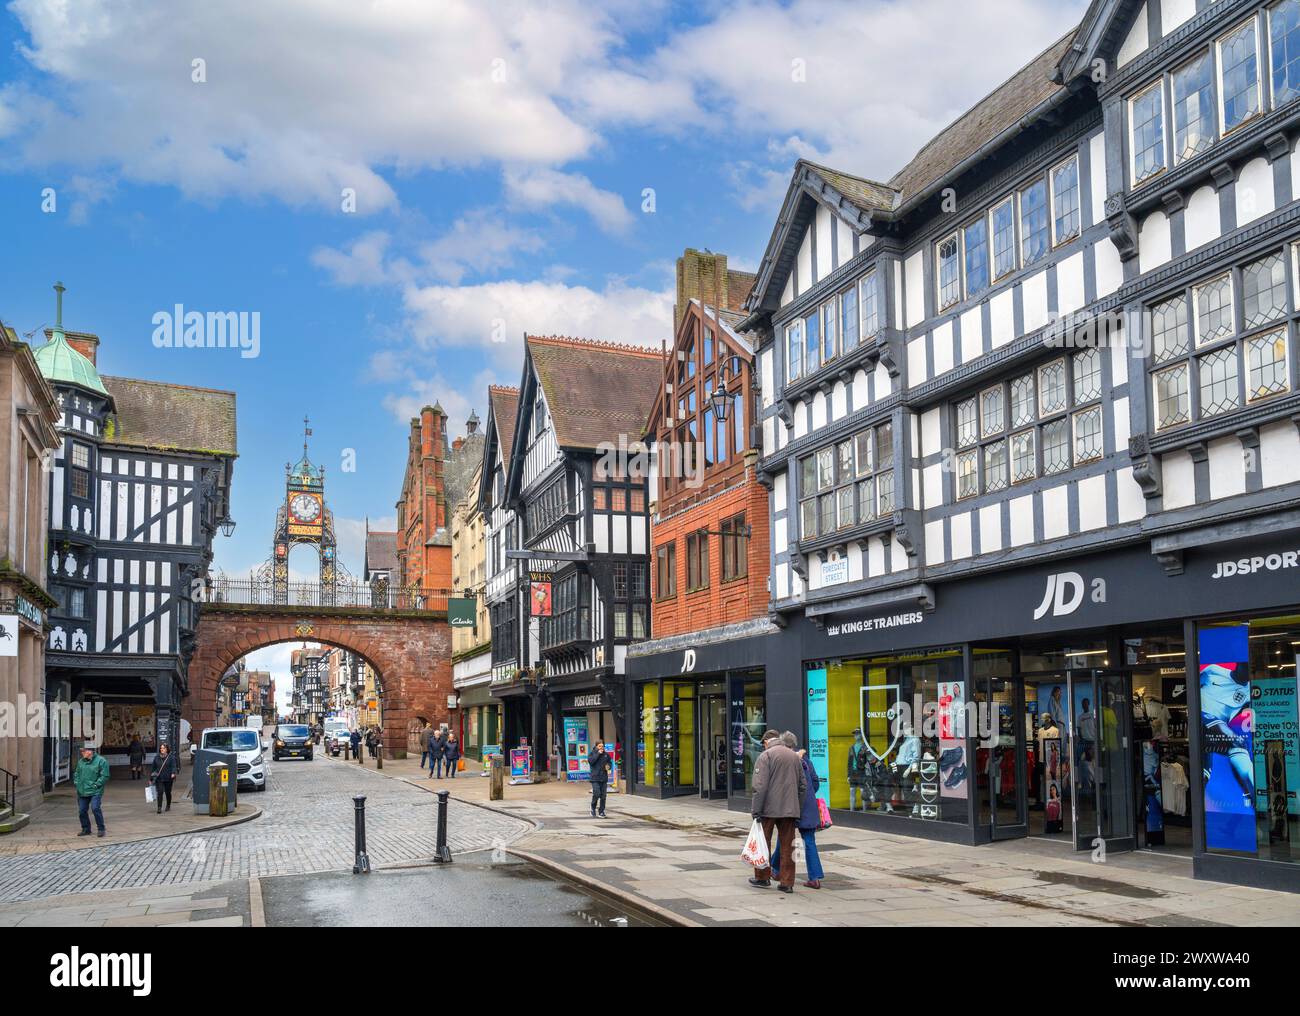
(1001, 109)
(596, 391)
(505, 404)
(154, 414)
(381, 551)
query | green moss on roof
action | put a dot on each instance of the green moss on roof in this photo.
(63, 365)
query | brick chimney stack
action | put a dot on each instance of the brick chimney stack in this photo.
(83, 342)
(704, 276)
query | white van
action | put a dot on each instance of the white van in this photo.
(247, 745)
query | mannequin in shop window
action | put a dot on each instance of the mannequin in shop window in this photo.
(861, 782)
(907, 765)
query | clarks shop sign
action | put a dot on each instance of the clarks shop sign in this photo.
(1121, 587)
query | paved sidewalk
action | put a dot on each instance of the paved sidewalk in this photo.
(211, 904)
(683, 858)
(127, 817)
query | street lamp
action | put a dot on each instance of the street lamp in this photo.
(721, 400)
(227, 525)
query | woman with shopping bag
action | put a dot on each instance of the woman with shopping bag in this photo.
(161, 777)
(811, 819)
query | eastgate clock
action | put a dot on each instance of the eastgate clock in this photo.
(304, 508)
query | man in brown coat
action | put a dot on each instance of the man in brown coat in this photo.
(779, 789)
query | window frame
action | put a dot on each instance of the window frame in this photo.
(821, 501)
(1136, 180)
(1253, 22)
(1059, 241)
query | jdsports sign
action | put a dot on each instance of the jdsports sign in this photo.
(1116, 588)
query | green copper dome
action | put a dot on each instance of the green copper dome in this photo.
(63, 365)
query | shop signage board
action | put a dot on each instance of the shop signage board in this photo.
(29, 612)
(835, 571)
(819, 741)
(1120, 587)
(1275, 718)
(462, 611)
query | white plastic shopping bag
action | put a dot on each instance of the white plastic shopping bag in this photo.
(150, 794)
(755, 851)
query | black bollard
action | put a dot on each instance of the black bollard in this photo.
(442, 853)
(379, 756)
(361, 866)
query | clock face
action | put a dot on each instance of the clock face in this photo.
(305, 508)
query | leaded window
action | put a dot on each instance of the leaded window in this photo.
(1266, 362)
(1284, 50)
(1023, 462)
(1219, 381)
(1194, 129)
(1213, 301)
(849, 318)
(977, 257)
(1004, 238)
(1033, 222)
(1022, 400)
(1056, 446)
(1239, 75)
(949, 272)
(1146, 118)
(1173, 400)
(1263, 291)
(1065, 200)
(1051, 387)
(1087, 435)
(992, 411)
(1169, 328)
(845, 484)
(968, 482)
(967, 424)
(870, 311)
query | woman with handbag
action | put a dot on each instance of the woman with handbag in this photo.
(163, 774)
(810, 820)
(452, 755)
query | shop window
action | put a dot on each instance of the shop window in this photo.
(873, 754)
(1249, 742)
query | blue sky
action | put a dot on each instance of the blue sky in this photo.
(498, 154)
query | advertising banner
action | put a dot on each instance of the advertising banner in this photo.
(1275, 718)
(521, 765)
(953, 770)
(1226, 738)
(819, 742)
(576, 765)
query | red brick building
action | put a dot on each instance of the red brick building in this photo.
(698, 687)
(437, 475)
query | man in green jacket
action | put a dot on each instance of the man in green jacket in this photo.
(90, 779)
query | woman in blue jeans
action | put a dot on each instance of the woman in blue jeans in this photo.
(809, 820)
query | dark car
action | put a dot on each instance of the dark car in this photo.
(291, 740)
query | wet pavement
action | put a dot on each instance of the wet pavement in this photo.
(465, 893)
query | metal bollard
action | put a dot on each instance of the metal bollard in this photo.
(379, 756)
(442, 853)
(361, 754)
(361, 866)
(346, 746)
(496, 779)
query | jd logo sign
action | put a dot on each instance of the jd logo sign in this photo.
(1064, 594)
(688, 661)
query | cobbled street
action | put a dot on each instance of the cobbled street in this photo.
(306, 826)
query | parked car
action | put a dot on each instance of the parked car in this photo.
(292, 740)
(247, 745)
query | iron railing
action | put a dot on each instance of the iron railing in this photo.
(256, 592)
(8, 790)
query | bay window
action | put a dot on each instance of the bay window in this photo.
(847, 484)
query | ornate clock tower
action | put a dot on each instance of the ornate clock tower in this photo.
(303, 518)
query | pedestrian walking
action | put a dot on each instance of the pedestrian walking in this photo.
(437, 744)
(354, 739)
(370, 741)
(451, 754)
(90, 779)
(600, 763)
(439, 751)
(135, 756)
(425, 734)
(163, 774)
(779, 790)
(810, 819)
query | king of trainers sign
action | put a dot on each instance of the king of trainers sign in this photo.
(1121, 587)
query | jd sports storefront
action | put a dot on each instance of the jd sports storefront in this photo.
(1118, 697)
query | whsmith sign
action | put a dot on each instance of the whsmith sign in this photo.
(1122, 587)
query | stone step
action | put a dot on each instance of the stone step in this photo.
(11, 823)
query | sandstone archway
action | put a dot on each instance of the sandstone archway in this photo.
(410, 651)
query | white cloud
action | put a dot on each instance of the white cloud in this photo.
(494, 316)
(425, 391)
(538, 188)
(303, 98)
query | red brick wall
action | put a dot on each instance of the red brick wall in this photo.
(411, 654)
(720, 602)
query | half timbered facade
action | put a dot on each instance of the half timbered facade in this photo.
(136, 493)
(578, 493)
(1029, 418)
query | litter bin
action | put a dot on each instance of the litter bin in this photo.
(202, 762)
(218, 789)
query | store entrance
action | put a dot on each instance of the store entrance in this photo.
(713, 744)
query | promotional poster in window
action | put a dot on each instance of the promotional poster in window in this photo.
(1226, 736)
